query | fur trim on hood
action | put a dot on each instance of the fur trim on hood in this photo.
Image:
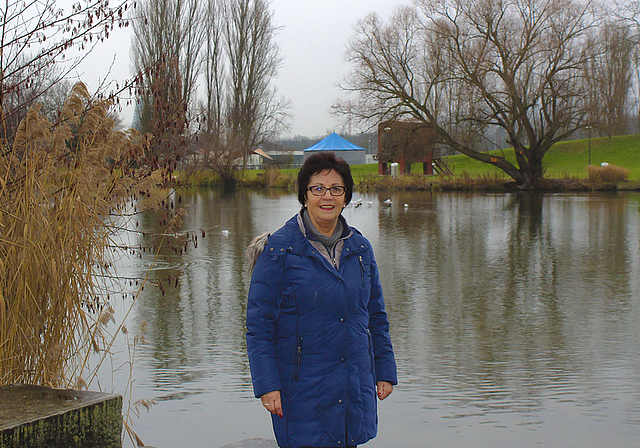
(255, 248)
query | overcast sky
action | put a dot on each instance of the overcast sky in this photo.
(313, 41)
(312, 38)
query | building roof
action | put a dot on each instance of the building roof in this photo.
(260, 152)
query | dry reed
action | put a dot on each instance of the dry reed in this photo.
(607, 174)
(405, 182)
(61, 187)
(488, 181)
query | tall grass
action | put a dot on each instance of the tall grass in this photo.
(61, 188)
(271, 177)
(489, 180)
(607, 174)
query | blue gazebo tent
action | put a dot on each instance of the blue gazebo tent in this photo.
(352, 154)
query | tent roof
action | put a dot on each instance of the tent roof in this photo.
(334, 142)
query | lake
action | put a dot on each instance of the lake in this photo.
(515, 318)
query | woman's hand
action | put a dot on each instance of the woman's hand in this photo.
(384, 389)
(271, 402)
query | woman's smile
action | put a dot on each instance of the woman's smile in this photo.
(324, 210)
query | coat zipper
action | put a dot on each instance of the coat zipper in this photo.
(361, 268)
(333, 257)
(298, 358)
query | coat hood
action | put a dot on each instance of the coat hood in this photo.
(255, 248)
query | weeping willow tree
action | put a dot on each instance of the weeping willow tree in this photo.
(62, 189)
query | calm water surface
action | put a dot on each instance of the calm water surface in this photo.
(515, 319)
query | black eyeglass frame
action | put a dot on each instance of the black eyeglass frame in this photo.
(319, 190)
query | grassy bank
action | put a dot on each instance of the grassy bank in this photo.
(567, 162)
(569, 159)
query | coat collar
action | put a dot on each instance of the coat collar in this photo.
(297, 243)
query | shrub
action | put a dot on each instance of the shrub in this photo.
(405, 182)
(495, 180)
(271, 177)
(607, 174)
(201, 178)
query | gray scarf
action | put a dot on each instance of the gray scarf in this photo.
(327, 241)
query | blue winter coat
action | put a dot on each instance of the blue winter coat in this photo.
(321, 337)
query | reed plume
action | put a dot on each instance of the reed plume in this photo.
(62, 187)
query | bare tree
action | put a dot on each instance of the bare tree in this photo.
(214, 71)
(36, 38)
(20, 94)
(242, 108)
(627, 14)
(165, 51)
(255, 111)
(233, 44)
(461, 66)
(610, 71)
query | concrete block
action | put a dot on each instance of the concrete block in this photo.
(42, 417)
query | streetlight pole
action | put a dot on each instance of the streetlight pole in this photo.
(589, 128)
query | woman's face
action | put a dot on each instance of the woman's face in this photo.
(325, 210)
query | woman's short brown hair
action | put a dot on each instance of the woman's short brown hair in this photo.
(324, 161)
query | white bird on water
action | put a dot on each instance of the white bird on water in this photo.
(388, 202)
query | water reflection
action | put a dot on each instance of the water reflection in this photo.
(509, 314)
(502, 303)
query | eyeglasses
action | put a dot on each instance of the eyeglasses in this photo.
(319, 190)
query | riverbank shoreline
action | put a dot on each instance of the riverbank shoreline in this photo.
(497, 185)
(429, 183)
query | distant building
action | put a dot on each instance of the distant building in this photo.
(256, 157)
(286, 159)
(282, 159)
(406, 142)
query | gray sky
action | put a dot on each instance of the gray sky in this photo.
(312, 39)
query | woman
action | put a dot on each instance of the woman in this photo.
(317, 332)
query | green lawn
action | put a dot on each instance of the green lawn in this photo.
(566, 159)
(570, 159)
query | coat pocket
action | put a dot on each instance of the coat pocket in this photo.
(296, 375)
(371, 356)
